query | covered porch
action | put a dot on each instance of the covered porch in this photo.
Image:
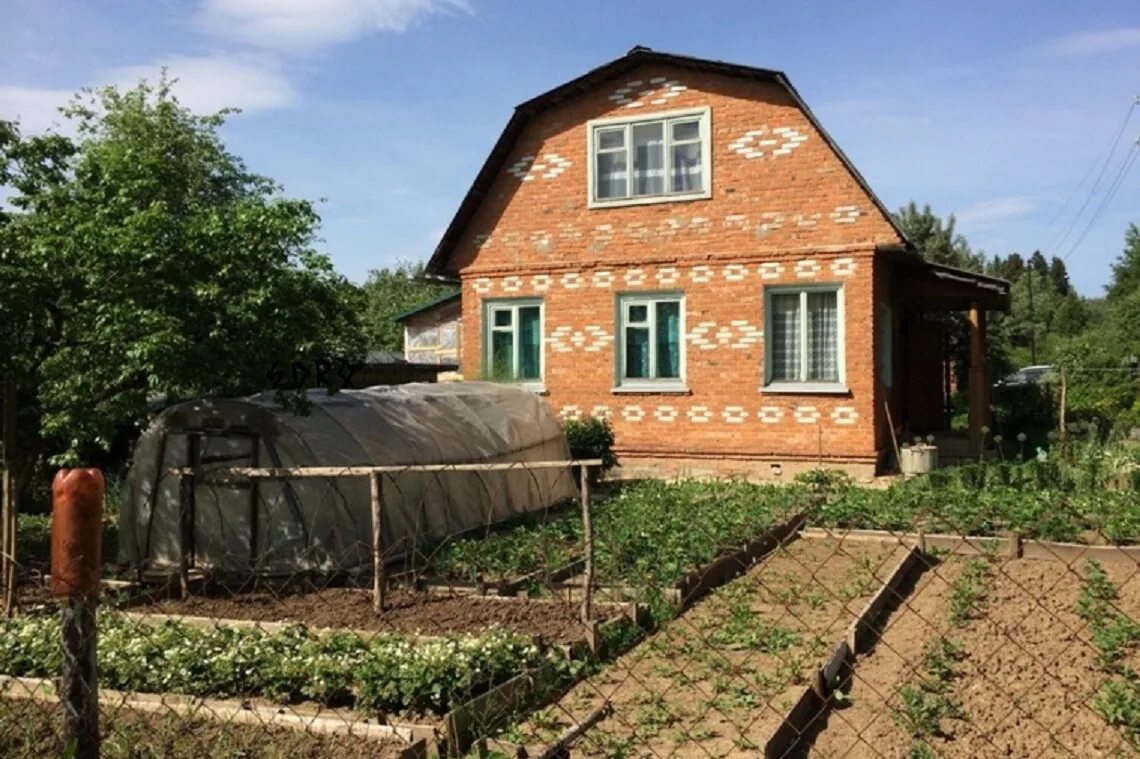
(939, 316)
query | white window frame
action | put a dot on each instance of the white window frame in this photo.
(648, 384)
(805, 386)
(490, 307)
(704, 115)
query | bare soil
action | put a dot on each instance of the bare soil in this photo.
(406, 611)
(1026, 682)
(33, 730)
(718, 680)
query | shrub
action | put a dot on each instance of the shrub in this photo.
(591, 438)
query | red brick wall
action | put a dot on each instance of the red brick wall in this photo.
(793, 216)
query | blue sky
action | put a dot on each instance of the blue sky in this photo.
(385, 109)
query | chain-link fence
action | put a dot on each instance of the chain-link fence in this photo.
(987, 610)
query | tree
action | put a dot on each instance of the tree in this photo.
(1126, 269)
(145, 261)
(389, 292)
(936, 240)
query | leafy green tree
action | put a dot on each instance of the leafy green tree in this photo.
(936, 240)
(143, 260)
(1126, 269)
(389, 292)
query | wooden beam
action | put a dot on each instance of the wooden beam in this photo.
(285, 473)
(979, 381)
(8, 505)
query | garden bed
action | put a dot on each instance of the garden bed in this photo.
(720, 678)
(406, 611)
(996, 664)
(31, 729)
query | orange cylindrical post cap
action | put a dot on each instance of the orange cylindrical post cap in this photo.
(76, 532)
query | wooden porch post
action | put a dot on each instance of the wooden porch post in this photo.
(979, 380)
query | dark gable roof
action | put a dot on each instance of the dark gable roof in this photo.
(426, 306)
(637, 57)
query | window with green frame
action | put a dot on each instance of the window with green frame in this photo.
(513, 340)
(651, 349)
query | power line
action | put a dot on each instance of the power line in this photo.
(1058, 244)
(1118, 180)
(1088, 172)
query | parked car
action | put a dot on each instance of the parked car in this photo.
(1027, 375)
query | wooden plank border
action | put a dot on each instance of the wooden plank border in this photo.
(700, 582)
(1012, 545)
(472, 721)
(861, 634)
(322, 722)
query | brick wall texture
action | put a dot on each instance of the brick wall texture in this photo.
(784, 210)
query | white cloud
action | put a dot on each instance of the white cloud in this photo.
(1094, 43)
(35, 109)
(311, 24)
(989, 213)
(210, 83)
(204, 85)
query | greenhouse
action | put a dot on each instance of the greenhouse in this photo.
(279, 527)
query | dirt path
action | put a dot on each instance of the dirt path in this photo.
(718, 680)
(864, 727)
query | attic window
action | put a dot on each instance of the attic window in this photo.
(649, 159)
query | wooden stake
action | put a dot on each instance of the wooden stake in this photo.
(378, 580)
(894, 438)
(8, 505)
(588, 533)
(1064, 397)
(185, 532)
(79, 680)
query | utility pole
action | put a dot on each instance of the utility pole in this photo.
(1032, 316)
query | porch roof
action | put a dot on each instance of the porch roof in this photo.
(927, 286)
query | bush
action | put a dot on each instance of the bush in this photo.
(591, 438)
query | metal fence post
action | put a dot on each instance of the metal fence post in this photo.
(378, 579)
(76, 562)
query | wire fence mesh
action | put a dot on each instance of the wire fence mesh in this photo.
(987, 610)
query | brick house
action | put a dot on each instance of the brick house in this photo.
(677, 244)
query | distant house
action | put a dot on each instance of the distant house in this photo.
(431, 332)
(676, 244)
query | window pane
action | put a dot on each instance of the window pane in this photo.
(823, 337)
(502, 355)
(610, 175)
(784, 337)
(686, 130)
(638, 313)
(637, 352)
(687, 168)
(648, 159)
(530, 343)
(611, 138)
(668, 340)
(502, 317)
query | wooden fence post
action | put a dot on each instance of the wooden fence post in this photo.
(8, 500)
(378, 579)
(76, 566)
(1064, 400)
(185, 532)
(588, 533)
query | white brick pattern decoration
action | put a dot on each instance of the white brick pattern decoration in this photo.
(482, 241)
(748, 335)
(845, 415)
(571, 280)
(806, 414)
(734, 414)
(540, 283)
(656, 91)
(568, 231)
(770, 414)
(550, 166)
(665, 414)
(807, 220)
(667, 275)
(699, 414)
(601, 412)
(512, 284)
(603, 233)
(770, 221)
(701, 273)
(634, 277)
(592, 339)
(541, 241)
(633, 413)
(808, 268)
(735, 272)
(570, 412)
(770, 270)
(737, 221)
(483, 285)
(845, 214)
(764, 141)
(698, 336)
(602, 278)
(843, 267)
